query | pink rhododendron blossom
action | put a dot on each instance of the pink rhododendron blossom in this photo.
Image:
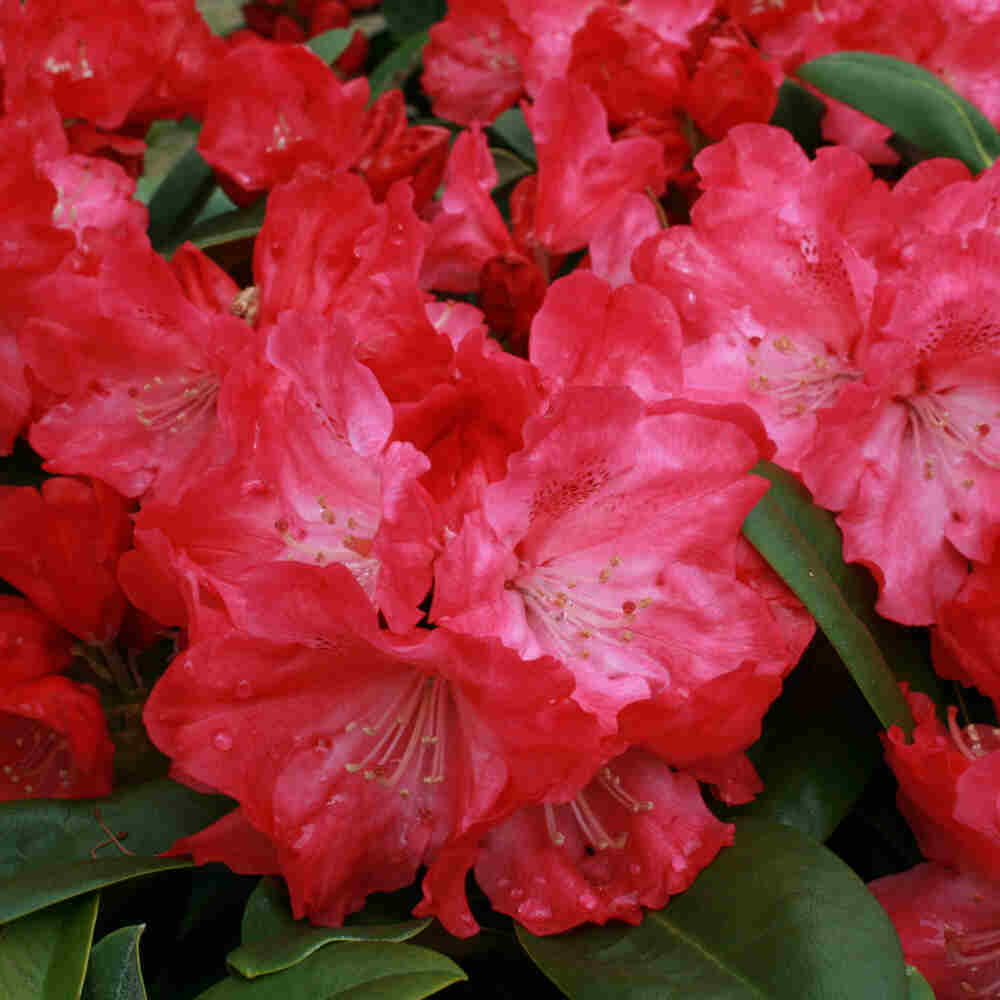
(637, 834)
(947, 924)
(330, 731)
(610, 546)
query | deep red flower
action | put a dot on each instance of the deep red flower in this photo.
(30, 644)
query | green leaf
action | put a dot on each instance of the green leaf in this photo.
(350, 970)
(919, 988)
(330, 45)
(178, 201)
(513, 129)
(36, 888)
(115, 972)
(148, 818)
(273, 940)
(244, 223)
(910, 101)
(818, 749)
(780, 530)
(44, 956)
(800, 112)
(510, 168)
(407, 17)
(774, 917)
(397, 67)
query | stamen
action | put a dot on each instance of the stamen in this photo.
(612, 784)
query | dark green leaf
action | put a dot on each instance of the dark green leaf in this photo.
(818, 750)
(331, 44)
(397, 67)
(774, 917)
(801, 113)
(273, 940)
(178, 201)
(407, 17)
(513, 129)
(910, 101)
(38, 887)
(229, 226)
(780, 535)
(510, 168)
(115, 972)
(44, 956)
(147, 818)
(350, 970)
(919, 988)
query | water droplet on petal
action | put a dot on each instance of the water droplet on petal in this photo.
(587, 901)
(516, 893)
(222, 740)
(243, 689)
(305, 835)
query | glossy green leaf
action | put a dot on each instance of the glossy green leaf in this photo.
(38, 887)
(781, 534)
(910, 101)
(397, 67)
(330, 45)
(115, 972)
(919, 988)
(775, 917)
(818, 749)
(407, 17)
(44, 956)
(512, 127)
(350, 970)
(147, 818)
(178, 200)
(800, 112)
(510, 168)
(243, 223)
(273, 940)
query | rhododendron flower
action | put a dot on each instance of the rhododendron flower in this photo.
(610, 545)
(948, 780)
(54, 741)
(60, 548)
(30, 644)
(358, 754)
(637, 834)
(947, 923)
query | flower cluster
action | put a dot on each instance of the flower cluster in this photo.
(442, 606)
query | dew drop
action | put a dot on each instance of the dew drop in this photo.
(243, 689)
(336, 800)
(305, 835)
(635, 869)
(588, 901)
(222, 740)
(516, 893)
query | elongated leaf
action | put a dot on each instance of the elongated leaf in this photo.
(778, 538)
(148, 818)
(178, 200)
(114, 972)
(229, 226)
(775, 917)
(910, 101)
(513, 129)
(919, 988)
(397, 67)
(351, 969)
(330, 45)
(44, 956)
(36, 888)
(273, 940)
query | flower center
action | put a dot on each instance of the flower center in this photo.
(968, 953)
(973, 741)
(409, 737)
(173, 403)
(35, 759)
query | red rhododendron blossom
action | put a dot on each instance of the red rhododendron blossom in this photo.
(275, 107)
(610, 546)
(54, 741)
(126, 352)
(611, 246)
(966, 642)
(30, 645)
(60, 548)
(361, 755)
(636, 835)
(97, 58)
(583, 177)
(947, 924)
(948, 780)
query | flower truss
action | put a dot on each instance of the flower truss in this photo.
(436, 488)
